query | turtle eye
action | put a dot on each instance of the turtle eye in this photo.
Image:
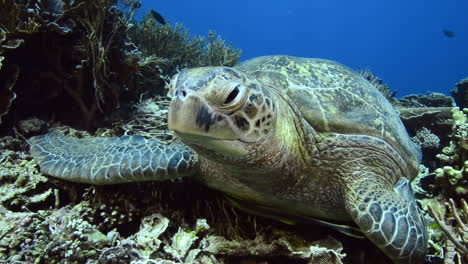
(232, 95)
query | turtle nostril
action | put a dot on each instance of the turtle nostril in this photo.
(180, 93)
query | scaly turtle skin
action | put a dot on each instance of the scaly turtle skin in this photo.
(300, 137)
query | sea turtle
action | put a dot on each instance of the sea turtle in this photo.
(287, 135)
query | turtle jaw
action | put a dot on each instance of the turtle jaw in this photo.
(193, 116)
(197, 124)
(232, 148)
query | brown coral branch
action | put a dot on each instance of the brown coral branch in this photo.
(464, 207)
(448, 231)
(461, 225)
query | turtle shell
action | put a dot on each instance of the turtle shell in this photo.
(334, 99)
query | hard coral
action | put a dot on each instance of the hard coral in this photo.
(217, 53)
(455, 230)
(426, 139)
(381, 86)
(457, 152)
(174, 45)
(165, 49)
(460, 93)
(452, 178)
(9, 76)
(430, 100)
(71, 60)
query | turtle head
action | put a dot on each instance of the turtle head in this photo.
(220, 110)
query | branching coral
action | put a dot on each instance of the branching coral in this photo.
(103, 23)
(92, 67)
(381, 86)
(457, 152)
(426, 139)
(173, 45)
(17, 18)
(165, 49)
(218, 53)
(452, 177)
(456, 248)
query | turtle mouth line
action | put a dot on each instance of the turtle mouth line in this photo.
(230, 147)
(202, 139)
(194, 138)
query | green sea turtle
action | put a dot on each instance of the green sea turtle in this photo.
(293, 136)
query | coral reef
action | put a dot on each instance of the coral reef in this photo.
(165, 49)
(429, 143)
(454, 180)
(20, 178)
(6, 89)
(93, 69)
(442, 185)
(453, 176)
(46, 221)
(457, 152)
(101, 62)
(9, 76)
(436, 119)
(84, 72)
(218, 53)
(194, 245)
(168, 46)
(460, 93)
(381, 86)
(426, 139)
(455, 229)
(419, 121)
(430, 100)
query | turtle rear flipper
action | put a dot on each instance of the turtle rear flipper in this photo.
(392, 220)
(111, 160)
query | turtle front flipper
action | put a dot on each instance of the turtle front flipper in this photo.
(111, 160)
(392, 220)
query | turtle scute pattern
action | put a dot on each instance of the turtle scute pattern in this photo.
(396, 226)
(110, 160)
(333, 98)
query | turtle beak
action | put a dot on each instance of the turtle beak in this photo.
(190, 114)
(182, 112)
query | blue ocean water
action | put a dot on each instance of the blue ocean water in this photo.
(400, 41)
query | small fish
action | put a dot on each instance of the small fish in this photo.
(448, 33)
(157, 17)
